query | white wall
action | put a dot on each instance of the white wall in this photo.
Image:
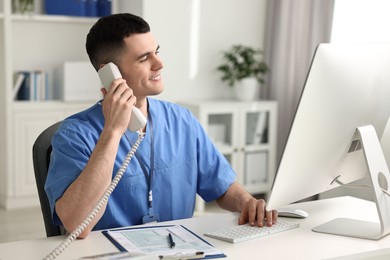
(192, 34)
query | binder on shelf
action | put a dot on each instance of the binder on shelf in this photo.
(66, 7)
(25, 88)
(88, 8)
(31, 86)
(40, 86)
(91, 8)
(256, 126)
(104, 7)
(260, 128)
(19, 78)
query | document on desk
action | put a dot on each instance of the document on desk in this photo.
(157, 240)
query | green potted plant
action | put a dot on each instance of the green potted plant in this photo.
(243, 65)
(23, 6)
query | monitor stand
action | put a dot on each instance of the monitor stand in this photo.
(379, 174)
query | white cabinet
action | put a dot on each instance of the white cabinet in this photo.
(32, 42)
(27, 123)
(35, 42)
(245, 133)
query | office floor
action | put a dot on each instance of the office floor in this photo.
(21, 224)
(28, 223)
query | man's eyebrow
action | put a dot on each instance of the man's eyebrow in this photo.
(147, 53)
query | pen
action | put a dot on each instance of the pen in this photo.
(183, 256)
(170, 237)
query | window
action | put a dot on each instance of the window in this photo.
(361, 21)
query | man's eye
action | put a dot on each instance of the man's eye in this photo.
(145, 58)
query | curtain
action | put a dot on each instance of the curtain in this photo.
(293, 30)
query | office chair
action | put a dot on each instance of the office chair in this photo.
(41, 159)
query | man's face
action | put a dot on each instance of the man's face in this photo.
(141, 65)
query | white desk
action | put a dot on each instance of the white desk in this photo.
(300, 243)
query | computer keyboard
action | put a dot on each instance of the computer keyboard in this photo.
(241, 233)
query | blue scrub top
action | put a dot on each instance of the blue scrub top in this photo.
(186, 163)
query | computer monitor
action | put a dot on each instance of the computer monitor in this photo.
(347, 88)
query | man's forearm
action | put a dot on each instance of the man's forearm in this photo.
(234, 198)
(82, 195)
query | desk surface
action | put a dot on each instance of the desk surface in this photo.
(300, 243)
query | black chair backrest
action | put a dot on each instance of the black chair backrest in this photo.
(41, 159)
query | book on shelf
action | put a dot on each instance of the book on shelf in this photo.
(31, 85)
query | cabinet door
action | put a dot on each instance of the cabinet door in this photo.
(220, 128)
(221, 124)
(256, 128)
(254, 144)
(27, 126)
(28, 123)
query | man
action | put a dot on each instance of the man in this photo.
(175, 161)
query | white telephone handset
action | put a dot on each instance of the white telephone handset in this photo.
(109, 73)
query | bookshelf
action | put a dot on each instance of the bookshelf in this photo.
(35, 41)
(52, 18)
(245, 133)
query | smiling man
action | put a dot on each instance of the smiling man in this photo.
(175, 161)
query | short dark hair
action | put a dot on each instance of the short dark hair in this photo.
(105, 40)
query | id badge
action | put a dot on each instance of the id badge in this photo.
(150, 218)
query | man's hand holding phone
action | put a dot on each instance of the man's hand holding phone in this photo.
(108, 74)
(118, 104)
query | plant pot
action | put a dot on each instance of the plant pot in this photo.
(247, 89)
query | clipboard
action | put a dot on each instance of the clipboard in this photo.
(155, 240)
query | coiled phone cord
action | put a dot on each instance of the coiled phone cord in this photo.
(77, 231)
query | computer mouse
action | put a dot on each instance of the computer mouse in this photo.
(292, 213)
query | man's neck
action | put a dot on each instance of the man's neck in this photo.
(143, 106)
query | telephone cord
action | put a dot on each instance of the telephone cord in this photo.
(77, 231)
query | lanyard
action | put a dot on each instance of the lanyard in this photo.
(148, 176)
